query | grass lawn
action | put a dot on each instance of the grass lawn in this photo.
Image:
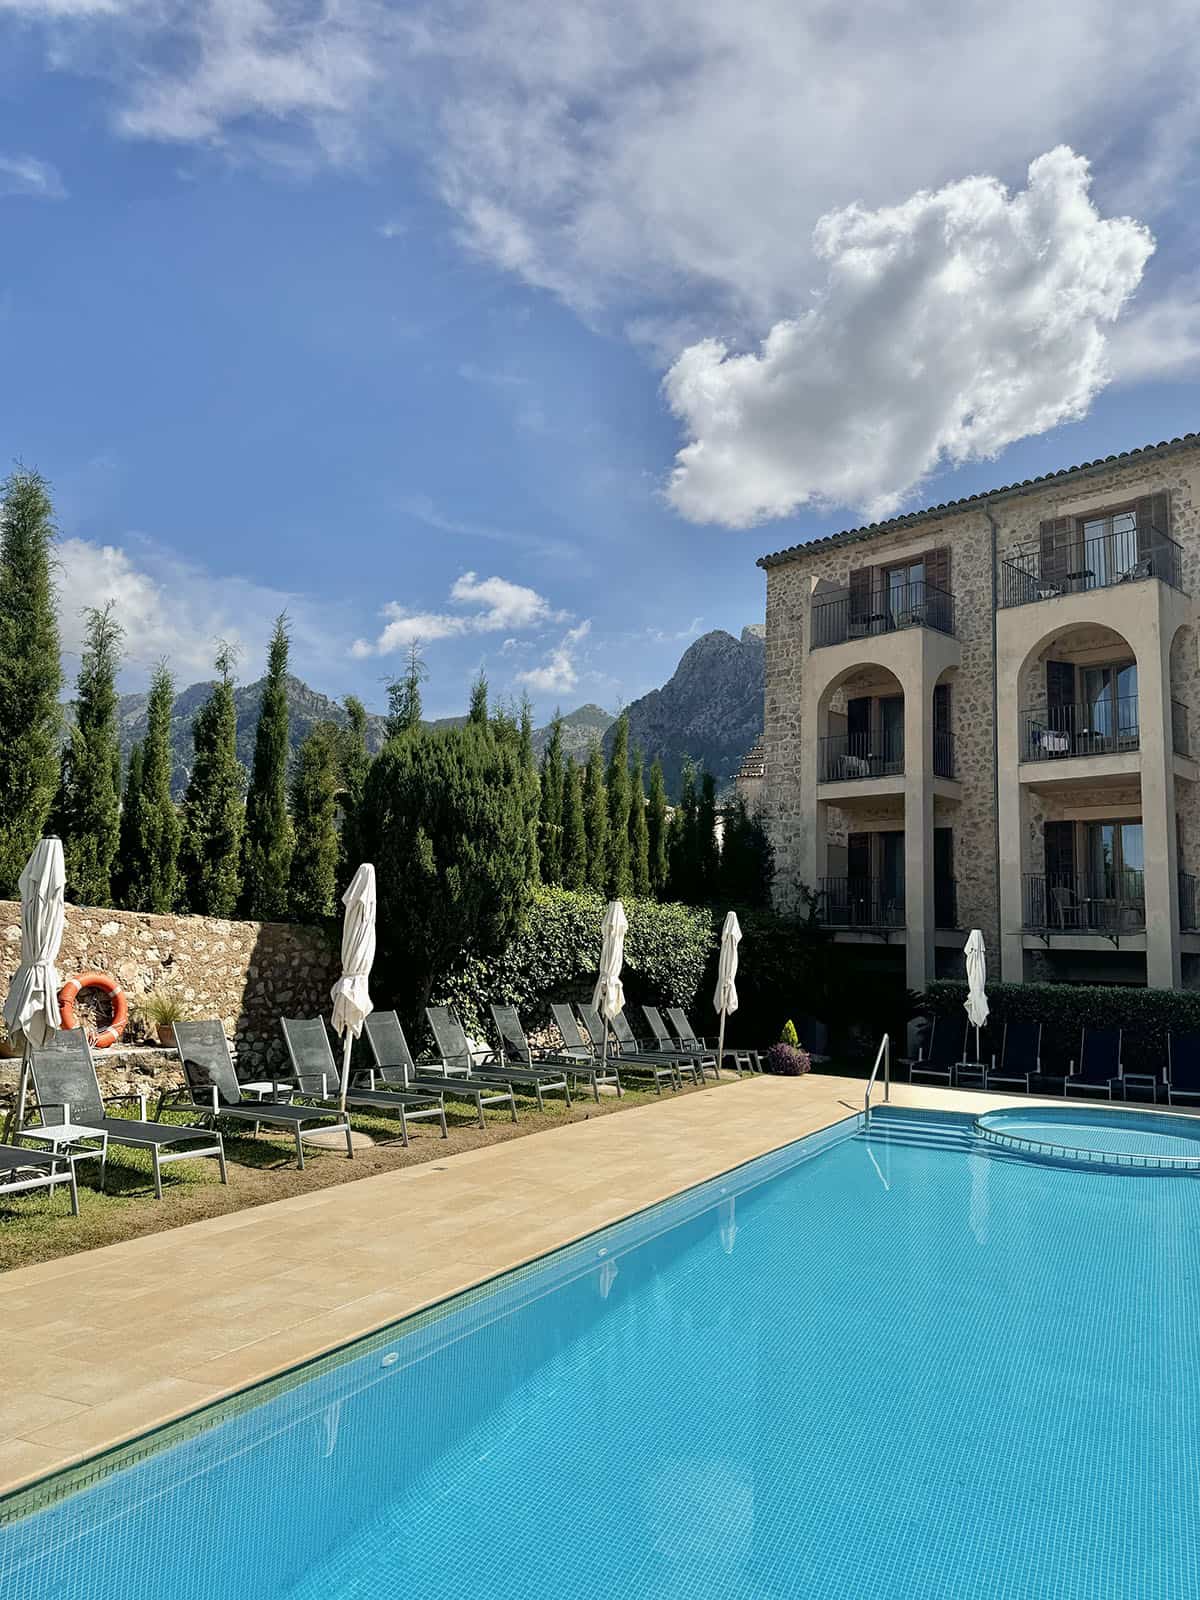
(36, 1227)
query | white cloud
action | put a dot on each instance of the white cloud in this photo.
(948, 327)
(500, 605)
(1162, 340)
(173, 610)
(28, 175)
(559, 673)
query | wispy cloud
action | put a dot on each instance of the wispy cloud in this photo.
(423, 509)
(27, 175)
(559, 672)
(499, 605)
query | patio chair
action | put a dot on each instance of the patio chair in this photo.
(691, 1040)
(664, 1040)
(394, 1064)
(1183, 1067)
(64, 1075)
(1069, 910)
(1020, 1057)
(661, 1065)
(944, 1052)
(458, 1057)
(1099, 1064)
(211, 1087)
(37, 1169)
(317, 1076)
(517, 1050)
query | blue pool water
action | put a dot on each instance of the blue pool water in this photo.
(906, 1366)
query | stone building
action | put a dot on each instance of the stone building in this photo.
(987, 714)
(750, 779)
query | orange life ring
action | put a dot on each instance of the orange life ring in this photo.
(109, 986)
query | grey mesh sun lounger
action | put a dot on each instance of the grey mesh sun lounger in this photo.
(212, 1088)
(664, 1041)
(517, 1051)
(662, 1068)
(394, 1064)
(691, 1043)
(37, 1169)
(457, 1057)
(63, 1075)
(691, 1040)
(316, 1075)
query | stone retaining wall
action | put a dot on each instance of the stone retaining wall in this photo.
(248, 974)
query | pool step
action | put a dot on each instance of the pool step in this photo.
(887, 1127)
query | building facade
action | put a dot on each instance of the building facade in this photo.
(987, 715)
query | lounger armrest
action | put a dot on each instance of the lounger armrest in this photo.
(313, 1084)
(139, 1095)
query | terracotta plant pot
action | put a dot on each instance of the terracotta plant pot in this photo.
(166, 1034)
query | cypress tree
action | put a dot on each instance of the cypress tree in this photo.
(683, 867)
(313, 876)
(708, 855)
(129, 846)
(478, 713)
(574, 846)
(267, 843)
(595, 820)
(89, 804)
(153, 869)
(210, 855)
(639, 834)
(30, 673)
(404, 696)
(531, 787)
(747, 859)
(550, 822)
(617, 874)
(355, 763)
(657, 831)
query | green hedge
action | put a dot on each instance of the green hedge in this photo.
(555, 954)
(1146, 1015)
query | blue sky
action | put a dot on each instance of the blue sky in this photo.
(449, 323)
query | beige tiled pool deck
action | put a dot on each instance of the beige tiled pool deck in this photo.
(103, 1346)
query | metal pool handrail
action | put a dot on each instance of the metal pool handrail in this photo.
(883, 1056)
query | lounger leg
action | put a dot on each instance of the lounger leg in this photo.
(103, 1165)
(540, 1101)
(74, 1187)
(157, 1173)
(596, 1087)
(566, 1089)
(479, 1108)
(445, 1129)
(299, 1147)
(350, 1138)
(221, 1159)
(403, 1128)
(512, 1101)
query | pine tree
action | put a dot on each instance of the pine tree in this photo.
(550, 823)
(639, 835)
(657, 831)
(355, 762)
(708, 854)
(617, 874)
(595, 820)
(478, 713)
(88, 809)
(210, 855)
(126, 870)
(30, 673)
(404, 696)
(314, 786)
(574, 846)
(152, 870)
(267, 843)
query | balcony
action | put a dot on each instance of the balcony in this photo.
(861, 903)
(945, 902)
(1100, 563)
(1105, 727)
(1108, 903)
(943, 753)
(1189, 906)
(845, 757)
(842, 615)
(1179, 728)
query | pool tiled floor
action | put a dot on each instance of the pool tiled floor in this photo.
(106, 1345)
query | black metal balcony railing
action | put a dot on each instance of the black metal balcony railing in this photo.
(1179, 728)
(1102, 728)
(943, 753)
(1189, 908)
(846, 756)
(844, 615)
(861, 903)
(945, 903)
(1109, 902)
(1090, 564)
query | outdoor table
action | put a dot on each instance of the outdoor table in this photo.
(66, 1138)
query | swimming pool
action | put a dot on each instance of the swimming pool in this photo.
(909, 1365)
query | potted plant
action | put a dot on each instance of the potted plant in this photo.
(786, 1059)
(161, 1009)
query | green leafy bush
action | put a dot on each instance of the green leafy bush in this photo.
(555, 953)
(786, 1061)
(1147, 1016)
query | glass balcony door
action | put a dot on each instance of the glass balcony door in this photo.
(1109, 712)
(1116, 860)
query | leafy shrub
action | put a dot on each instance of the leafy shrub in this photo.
(555, 953)
(786, 1061)
(789, 1034)
(1147, 1016)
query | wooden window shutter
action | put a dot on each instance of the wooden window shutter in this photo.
(1058, 541)
(861, 584)
(1059, 840)
(941, 708)
(937, 568)
(1150, 512)
(1060, 686)
(858, 855)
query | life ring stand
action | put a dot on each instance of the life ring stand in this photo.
(69, 992)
